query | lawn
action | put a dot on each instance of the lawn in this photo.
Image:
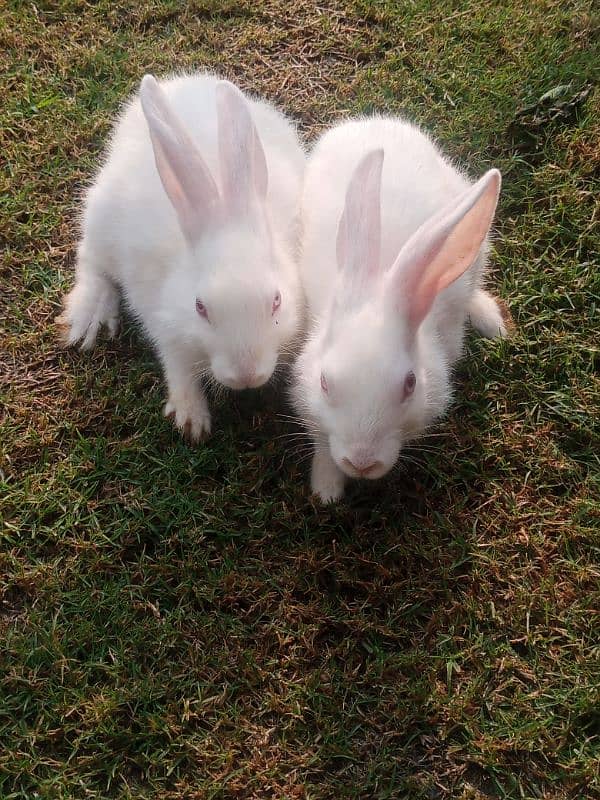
(183, 622)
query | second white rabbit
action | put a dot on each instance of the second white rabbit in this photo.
(393, 257)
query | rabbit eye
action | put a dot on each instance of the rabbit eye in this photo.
(324, 385)
(276, 302)
(201, 309)
(410, 381)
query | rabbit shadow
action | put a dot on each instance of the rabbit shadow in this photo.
(347, 607)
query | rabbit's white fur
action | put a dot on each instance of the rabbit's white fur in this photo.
(394, 249)
(218, 225)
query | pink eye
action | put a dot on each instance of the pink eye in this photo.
(276, 302)
(201, 309)
(410, 382)
(324, 384)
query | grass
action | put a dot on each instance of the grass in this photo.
(186, 623)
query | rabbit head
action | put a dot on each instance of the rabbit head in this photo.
(372, 375)
(230, 290)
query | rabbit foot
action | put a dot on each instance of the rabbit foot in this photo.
(326, 480)
(190, 414)
(88, 306)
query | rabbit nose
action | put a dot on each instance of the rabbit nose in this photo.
(364, 466)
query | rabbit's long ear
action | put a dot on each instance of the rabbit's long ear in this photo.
(244, 176)
(443, 248)
(359, 230)
(183, 172)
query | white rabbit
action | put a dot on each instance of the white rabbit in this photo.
(393, 255)
(194, 217)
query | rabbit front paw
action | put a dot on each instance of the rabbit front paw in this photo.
(326, 480)
(190, 414)
(91, 304)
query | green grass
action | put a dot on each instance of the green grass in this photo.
(186, 623)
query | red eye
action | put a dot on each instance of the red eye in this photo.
(410, 382)
(276, 302)
(324, 384)
(201, 309)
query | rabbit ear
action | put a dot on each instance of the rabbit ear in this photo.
(244, 176)
(183, 172)
(444, 247)
(359, 229)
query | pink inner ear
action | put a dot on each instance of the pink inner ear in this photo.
(188, 184)
(445, 247)
(244, 173)
(359, 229)
(185, 177)
(461, 246)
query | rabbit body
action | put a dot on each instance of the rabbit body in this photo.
(375, 370)
(193, 217)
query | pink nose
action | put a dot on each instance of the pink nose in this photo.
(363, 466)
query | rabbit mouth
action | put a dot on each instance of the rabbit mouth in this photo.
(252, 381)
(246, 375)
(369, 469)
(246, 382)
